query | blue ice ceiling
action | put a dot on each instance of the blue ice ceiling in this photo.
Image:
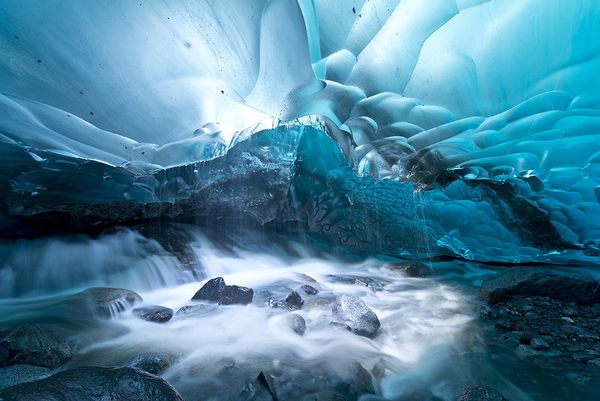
(409, 127)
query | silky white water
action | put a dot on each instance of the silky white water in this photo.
(217, 350)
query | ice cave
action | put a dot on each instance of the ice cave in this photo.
(300, 200)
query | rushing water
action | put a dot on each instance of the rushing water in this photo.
(429, 343)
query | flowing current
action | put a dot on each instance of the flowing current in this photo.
(216, 350)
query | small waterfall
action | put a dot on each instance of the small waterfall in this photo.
(121, 259)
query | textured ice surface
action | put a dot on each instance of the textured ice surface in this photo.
(463, 127)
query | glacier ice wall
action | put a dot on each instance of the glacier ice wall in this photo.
(461, 127)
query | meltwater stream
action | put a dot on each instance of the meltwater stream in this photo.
(216, 352)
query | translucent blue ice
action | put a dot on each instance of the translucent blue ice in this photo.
(462, 127)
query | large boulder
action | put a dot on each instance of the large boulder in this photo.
(211, 291)
(108, 302)
(559, 285)
(215, 290)
(32, 345)
(154, 313)
(95, 384)
(236, 295)
(480, 393)
(17, 374)
(353, 312)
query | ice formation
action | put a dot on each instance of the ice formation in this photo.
(448, 127)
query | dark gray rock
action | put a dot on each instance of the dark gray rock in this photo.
(236, 295)
(215, 290)
(154, 313)
(294, 301)
(267, 381)
(17, 374)
(298, 323)
(154, 363)
(108, 302)
(95, 384)
(32, 345)
(211, 291)
(480, 393)
(415, 269)
(309, 289)
(560, 286)
(358, 316)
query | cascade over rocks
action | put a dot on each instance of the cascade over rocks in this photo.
(107, 302)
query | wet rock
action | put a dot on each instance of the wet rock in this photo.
(539, 345)
(415, 269)
(154, 313)
(356, 384)
(32, 345)
(268, 383)
(95, 384)
(17, 374)
(309, 289)
(108, 302)
(297, 323)
(576, 287)
(236, 295)
(480, 393)
(215, 290)
(211, 291)
(154, 363)
(359, 317)
(294, 301)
